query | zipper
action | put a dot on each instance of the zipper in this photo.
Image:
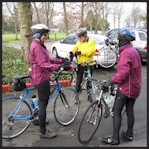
(129, 84)
(34, 72)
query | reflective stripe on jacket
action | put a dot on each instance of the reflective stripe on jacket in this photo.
(87, 50)
(128, 76)
(41, 65)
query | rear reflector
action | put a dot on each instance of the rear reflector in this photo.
(145, 48)
(96, 53)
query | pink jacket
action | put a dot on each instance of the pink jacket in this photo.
(128, 76)
(41, 65)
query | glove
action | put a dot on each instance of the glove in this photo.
(77, 53)
(71, 56)
(109, 82)
(65, 67)
(66, 61)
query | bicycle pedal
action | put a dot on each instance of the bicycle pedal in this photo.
(106, 115)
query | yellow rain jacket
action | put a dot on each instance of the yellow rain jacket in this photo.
(87, 50)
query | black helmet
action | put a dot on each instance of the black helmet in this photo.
(81, 31)
(39, 29)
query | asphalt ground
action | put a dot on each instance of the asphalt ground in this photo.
(67, 136)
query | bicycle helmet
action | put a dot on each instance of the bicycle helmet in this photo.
(39, 29)
(81, 31)
(127, 33)
(125, 36)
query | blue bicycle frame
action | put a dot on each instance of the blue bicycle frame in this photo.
(26, 93)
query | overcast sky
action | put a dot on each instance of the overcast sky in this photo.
(127, 9)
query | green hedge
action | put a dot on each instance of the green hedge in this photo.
(12, 65)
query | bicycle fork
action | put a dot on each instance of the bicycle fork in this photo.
(95, 108)
(64, 101)
(95, 119)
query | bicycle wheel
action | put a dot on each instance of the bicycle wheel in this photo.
(65, 107)
(13, 127)
(90, 122)
(107, 58)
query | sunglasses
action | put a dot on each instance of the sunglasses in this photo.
(45, 34)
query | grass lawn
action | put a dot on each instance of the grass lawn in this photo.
(10, 38)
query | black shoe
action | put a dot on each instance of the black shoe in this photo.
(48, 135)
(124, 135)
(36, 122)
(110, 141)
(106, 115)
(90, 99)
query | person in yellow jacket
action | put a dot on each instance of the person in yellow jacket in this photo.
(84, 50)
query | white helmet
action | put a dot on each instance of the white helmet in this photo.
(39, 29)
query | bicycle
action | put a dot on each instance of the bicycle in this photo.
(20, 111)
(88, 83)
(92, 117)
(107, 55)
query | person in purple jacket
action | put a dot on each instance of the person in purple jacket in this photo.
(41, 66)
(129, 81)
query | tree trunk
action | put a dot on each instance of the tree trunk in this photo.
(25, 16)
(65, 18)
(82, 14)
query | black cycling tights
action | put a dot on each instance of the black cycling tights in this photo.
(80, 73)
(120, 101)
(43, 93)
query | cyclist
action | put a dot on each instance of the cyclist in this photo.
(41, 66)
(129, 80)
(84, 51)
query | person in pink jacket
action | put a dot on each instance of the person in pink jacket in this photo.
(41, 66)
(129, 81)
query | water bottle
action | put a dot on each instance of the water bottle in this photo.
(112, 99)
(35, 101)
(107, 100)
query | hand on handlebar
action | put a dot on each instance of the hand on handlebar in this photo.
(71, 56)
(77, 53)
(66, 67)
(65, 61)
(109, 82)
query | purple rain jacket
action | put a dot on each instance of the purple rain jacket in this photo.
(41, 65)
(128, 76)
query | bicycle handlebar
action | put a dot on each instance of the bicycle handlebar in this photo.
(22, 77)
(102, 84)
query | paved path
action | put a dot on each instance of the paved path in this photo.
(67, 136)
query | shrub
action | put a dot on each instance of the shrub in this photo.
(12, 65)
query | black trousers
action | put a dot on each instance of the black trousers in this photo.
(43, 93)
(120, 101)
(80, 72)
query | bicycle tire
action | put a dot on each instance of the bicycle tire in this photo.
(65, 109)
(15, 128)
(86, 130)
(106, 62)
